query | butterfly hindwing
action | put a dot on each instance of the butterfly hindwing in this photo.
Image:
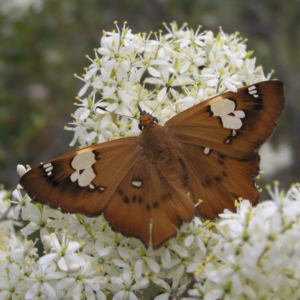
(149, 204)
(217, 181)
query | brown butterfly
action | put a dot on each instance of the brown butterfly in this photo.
(147, 186)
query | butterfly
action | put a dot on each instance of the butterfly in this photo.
(198, 163)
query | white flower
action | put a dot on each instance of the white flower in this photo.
(64, 253)
(17, 261)
(20, 201)
(10, 288)
(81, 282)
(126, 285)
(39, 282)
(41, 217)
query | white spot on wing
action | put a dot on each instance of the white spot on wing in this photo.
(206, 150)
(48, 168)
(225, 109)
(86, 177)
(231, 122)
(253, 91)
(137, 183)
(84, 173)
(74, 176)
(83, 160)
(222, 107)
(239, 114)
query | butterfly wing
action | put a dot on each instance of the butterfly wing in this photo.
(118, 179)
(233, 124)
(85, 180)
(221, 138)
(216, 180)
(149, 203)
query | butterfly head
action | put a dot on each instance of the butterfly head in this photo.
(146, 119)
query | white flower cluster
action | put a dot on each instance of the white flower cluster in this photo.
(258, 254)
(87, 260)
(137, 69)
(252, 254)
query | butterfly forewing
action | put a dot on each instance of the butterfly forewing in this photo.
(82, 181)
(234, 124)
(147, 186)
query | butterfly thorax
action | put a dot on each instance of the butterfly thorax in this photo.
(146, 120)
(156, 141)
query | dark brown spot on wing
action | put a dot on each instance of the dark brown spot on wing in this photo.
(126, 200)
(120, 192)
(218, 179)
(207, 182)
(155, 204)
(166, 197)
(220, 161)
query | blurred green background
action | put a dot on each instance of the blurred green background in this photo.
(43, 43)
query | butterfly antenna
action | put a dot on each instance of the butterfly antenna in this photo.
(162, 100)
(130, 117)
(140, 110)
